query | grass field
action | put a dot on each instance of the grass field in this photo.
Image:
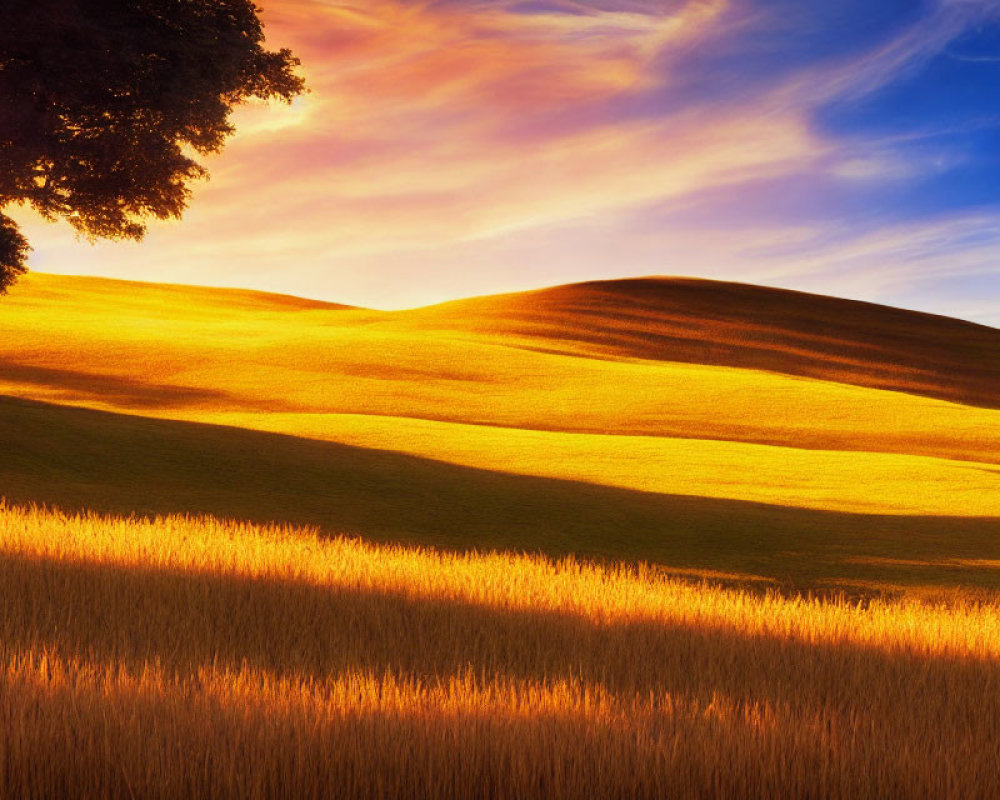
(192, 657)
(555, 421)
(641, 538)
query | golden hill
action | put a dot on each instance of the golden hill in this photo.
(752, 327)
(728, 429)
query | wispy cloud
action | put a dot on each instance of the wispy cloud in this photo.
(855, 77)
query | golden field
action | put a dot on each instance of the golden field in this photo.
(575, 420)
(621, 539)
(184, 656)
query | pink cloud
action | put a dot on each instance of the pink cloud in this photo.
(432, 124)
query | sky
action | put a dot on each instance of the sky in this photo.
(452, 148)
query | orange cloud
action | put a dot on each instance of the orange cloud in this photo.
(431, 123)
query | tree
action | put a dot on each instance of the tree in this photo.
(104, 105)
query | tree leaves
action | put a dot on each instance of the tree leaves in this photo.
(103, 101)
(13, 253)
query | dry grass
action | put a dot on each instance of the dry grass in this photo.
(191, 656)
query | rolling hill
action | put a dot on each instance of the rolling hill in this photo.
(751, 327)
(684, 462)
(720, 430)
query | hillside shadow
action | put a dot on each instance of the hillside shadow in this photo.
(83, 459)
(125, 392)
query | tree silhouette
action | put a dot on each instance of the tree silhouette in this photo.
(104, 103)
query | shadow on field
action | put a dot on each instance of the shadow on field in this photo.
(126, 392)
(82, 459)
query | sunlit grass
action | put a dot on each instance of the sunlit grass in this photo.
(858, 482)
(184, 655)
(597, 593)
(527, 423)
(380, 379)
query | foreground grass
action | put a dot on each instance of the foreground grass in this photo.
(184, 655)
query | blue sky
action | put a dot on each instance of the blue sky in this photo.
(473, 146)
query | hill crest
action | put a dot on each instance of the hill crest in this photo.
(683, 320)
(747, 326)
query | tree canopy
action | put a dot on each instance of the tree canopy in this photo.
(104, 105)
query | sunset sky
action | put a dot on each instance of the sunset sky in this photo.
(459, 147)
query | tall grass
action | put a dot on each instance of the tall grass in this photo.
(195, 656)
